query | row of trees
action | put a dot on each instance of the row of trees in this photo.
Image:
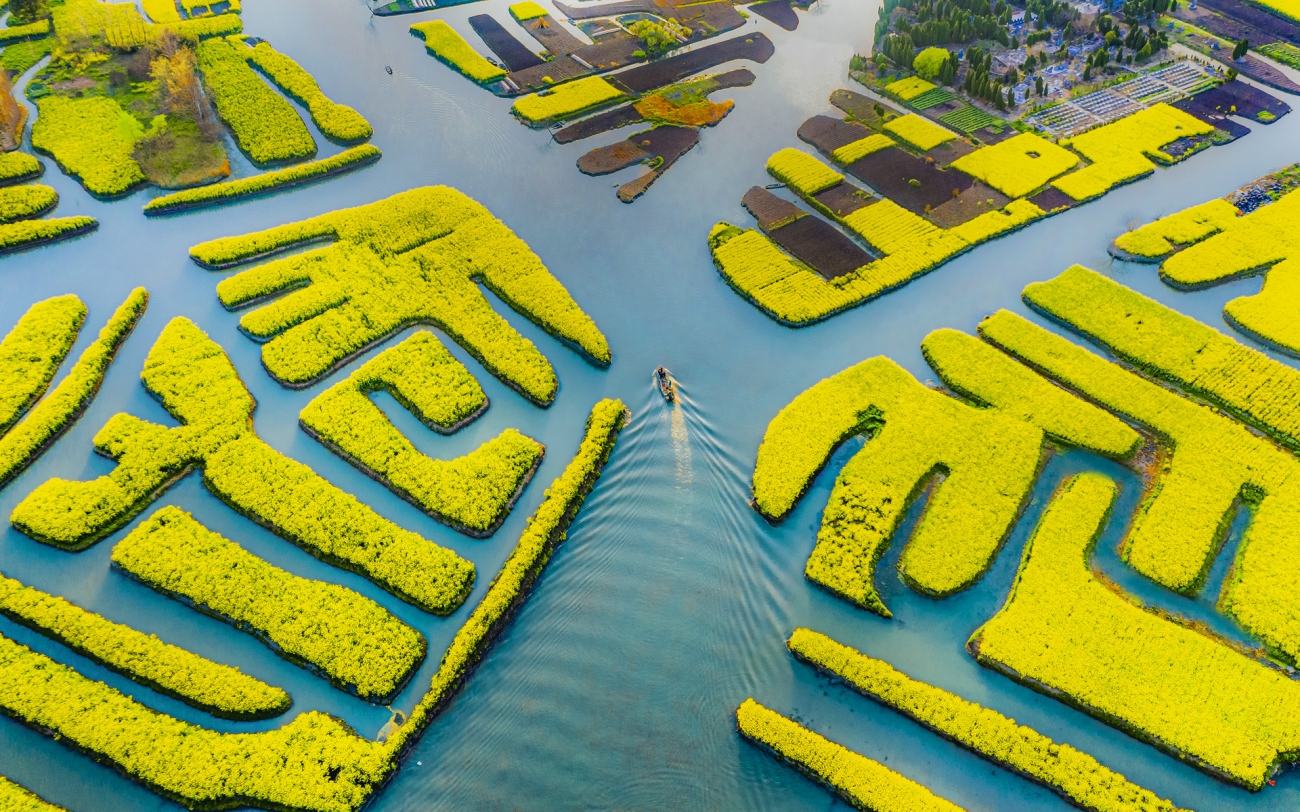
(940, 22)
(944, 32)
(1050, 12)
(980, 82)
(1135, 11)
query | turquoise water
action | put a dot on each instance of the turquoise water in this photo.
(671, 600)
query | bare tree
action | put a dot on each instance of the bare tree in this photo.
(179, 86)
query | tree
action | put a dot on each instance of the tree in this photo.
(1240, 50)
(1087, 73)
(179, 88)
(25, 11)
(930, 62)
(11, 114)
(1038, 84)
(654, 36)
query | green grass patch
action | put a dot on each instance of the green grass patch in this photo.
(970, 119)
(932, 98)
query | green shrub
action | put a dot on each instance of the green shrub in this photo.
(441, 40)
(653, 36)
(86, 137)
(412, 258)
(32, 351)
(264, 123)
(337, 122)
(19, 166)
(970, 119)
(52, 416)
(1066, 633)
(990, 461)
(23, 202)
(197, 384)
(473, 493)
(1073, 774)
(863, 782)
(977, 371)
(17, 799)
(265, 183)
(928, 62)
(314, 763)
(221, 690)
(545, 530)
(355, 643)
(1283, 52)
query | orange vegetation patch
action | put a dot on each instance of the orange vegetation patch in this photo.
(696, 114)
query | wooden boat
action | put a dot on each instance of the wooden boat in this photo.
(667, 388)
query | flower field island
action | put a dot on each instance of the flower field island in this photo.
(218, 689)
(314, 761)
(643, 67)
(865, 783)
(353, 642)
(193, 378)
(126, 101)
(473, 493)
(33, 418)
(1216, 241)
(927, 187)
(1074, 775)
(1063, 630)
(20, 800)
(21, 204)
(414, 258)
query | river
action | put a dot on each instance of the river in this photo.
(671, 600)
